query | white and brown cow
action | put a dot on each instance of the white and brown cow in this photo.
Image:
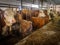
(9, 20)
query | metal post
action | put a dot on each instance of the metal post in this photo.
(55, 7)
(32, 3)
(9, 6)
(41, 4)
(21, 4)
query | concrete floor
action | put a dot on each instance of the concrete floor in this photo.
(47, 35)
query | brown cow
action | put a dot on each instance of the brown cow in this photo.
(2, 22)
(46, 17)
(35, 13)
(25, 26)
(38, 22)
(26, 14)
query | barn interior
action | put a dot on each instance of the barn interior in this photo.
(29, 22)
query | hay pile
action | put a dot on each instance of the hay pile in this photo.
(40, 38)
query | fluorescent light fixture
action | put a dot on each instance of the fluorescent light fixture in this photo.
(36, 6)
(31, 5)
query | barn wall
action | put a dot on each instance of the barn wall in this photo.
(58, 8)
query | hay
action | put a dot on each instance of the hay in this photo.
(42, 39)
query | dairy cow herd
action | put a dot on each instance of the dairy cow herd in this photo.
(22, 22)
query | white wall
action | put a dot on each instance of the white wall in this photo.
(58, 8)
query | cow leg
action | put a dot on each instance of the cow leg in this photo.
(4, 30)
(10, 30)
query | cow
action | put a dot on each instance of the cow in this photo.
(2, 22)
(9, 20)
